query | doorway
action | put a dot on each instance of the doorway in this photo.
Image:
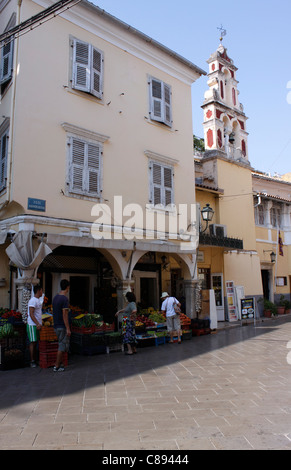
(266, 283)
(146, 288)
(80, 291)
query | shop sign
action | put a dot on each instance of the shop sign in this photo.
(36, 204)
(247, 308)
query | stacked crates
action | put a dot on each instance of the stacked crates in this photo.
(48, 348)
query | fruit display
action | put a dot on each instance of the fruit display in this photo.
(145, 320)
(157, 317)
(47, 319)
(7, 331)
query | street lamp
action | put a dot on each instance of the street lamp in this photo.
(272, 255)
(207, 214)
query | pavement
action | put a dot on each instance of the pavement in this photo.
(230, 390)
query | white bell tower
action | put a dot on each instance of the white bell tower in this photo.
(224, 119)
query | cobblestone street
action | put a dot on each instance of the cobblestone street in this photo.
(229, 390)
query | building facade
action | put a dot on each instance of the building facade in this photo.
(96, 181)
(251, 210)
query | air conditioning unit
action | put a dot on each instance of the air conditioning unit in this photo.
(218, 230)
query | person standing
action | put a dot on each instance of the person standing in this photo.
(61, 323)
(130, 311)
(173, 319)
(34, 322)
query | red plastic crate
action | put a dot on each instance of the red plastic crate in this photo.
(83, 330)
(48, 346)
(48, 359)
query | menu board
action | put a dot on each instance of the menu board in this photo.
(231, 301)
(247, 308)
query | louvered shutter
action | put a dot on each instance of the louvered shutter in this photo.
(93, 169)
(6, 62)
(156, 100)
(77, 166)
(168, 186)
(81, 66)
(167, 105)
(96, 73)
(3, 159)
(157, 183)
(162, 191)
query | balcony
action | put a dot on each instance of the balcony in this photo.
(207, 239)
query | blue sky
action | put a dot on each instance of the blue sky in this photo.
(259, 42)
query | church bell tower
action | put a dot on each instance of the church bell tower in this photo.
(224, 118)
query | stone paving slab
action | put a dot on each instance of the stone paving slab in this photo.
(224, 391)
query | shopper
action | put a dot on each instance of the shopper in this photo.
(61, 323)
(130, 311)
(34, 322)
(173, 319)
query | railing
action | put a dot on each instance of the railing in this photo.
(225, 242)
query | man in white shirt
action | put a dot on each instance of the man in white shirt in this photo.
(34, 322)
(173, 319)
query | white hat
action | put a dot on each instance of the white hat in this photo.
(164, 294)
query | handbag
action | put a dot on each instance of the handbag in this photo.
(177, 309)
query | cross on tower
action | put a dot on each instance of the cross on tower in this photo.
(222, 32)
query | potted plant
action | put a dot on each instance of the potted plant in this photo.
(281, 305)
(270, 308)
(286, 303)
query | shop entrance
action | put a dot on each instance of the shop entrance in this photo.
(266, 283)
(80, 291)
(146, 288)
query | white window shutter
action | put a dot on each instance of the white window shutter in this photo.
(6, 62)
(161, 184)
(93, 169)
(77, 167)
(3, 161)
(160, 102)
(81, 66)
(167, 105)
(168, 186)
(156, 107)
(97, 73)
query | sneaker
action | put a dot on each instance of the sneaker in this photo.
(33, 364)
(58, 369)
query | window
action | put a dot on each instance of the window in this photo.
(276, 216)
(160, 101)
(87, 68)
(85, 167)
(161, 184)
(260, 214)
(3, 155)
(6, 64)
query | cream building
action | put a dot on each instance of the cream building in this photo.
(248, 240)
(96, 178)
(228, 260)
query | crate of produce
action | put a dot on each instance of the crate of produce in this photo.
(144, 341)
(88, 345)
(47, 333)
(48, 359)
(108, 326)
(83, 330)
(160, 340)
(113, 338)
(186, 334)
(12, 357)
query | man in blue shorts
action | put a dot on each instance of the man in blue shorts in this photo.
(34, 322)
(61, 323)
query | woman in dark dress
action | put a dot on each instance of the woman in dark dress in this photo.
(129, 320)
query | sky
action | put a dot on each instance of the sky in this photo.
(258, 40)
